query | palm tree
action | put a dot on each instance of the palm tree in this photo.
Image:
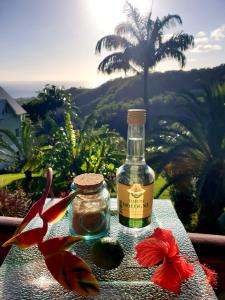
(191, 146)
(24, 153)
(140, 44)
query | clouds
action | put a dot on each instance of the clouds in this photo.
(205, 44)
(219, 33)
(201, 40)
(201, 34)
(205, 48)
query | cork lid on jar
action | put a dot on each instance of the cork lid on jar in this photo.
(136, 116)
(88, 181)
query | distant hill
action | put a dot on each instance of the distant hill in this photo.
(122, 90)
(110, 101)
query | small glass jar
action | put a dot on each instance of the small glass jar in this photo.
(90, 209)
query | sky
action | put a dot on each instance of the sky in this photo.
(54, 40)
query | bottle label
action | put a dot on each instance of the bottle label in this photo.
(135, 201)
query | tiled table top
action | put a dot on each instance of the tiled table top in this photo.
(24, 276)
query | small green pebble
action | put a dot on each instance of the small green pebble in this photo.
(107, 253)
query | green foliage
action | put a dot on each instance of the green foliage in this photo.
(110, 101)
(48, 103)
(24, 153)
(102, 152)
(71, 146)
(158, 184)
(89, 149)
(191, 146)
(6, 179)
(63, 153)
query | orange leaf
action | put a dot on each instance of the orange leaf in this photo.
(72, 273)
(55, 245)
(38, 206)
(27, 238)
(58, 210)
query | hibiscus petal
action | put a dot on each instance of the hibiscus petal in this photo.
(184, 268)
(211, 275)
(169, 275)
(72, 273)
(151, 251)
(37, 206)
(166, 236)
(54, 213)
(54, 245)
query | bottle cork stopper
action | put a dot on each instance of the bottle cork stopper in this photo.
(136, 116)
(88, 180)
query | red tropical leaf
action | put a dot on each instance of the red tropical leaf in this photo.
(72, 273)
(55, 245)
(57, 211)
(38, 206)
(27, 238)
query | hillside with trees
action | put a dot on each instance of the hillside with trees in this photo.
(110, 101)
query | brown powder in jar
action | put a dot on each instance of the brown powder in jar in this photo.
(89, 208)
(89, 215)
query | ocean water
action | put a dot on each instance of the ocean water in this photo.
(25, 89)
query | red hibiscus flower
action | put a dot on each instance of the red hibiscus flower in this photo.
(161, 247)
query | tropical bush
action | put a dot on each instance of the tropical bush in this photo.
(84, 150)
(25, 153)
(58, 138)
(190, 147)
(50, 103)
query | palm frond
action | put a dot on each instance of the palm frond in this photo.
(126, 29)
(114, 62)
(171, 181)
(174, 47)
(185, 121)
(178, 150)
(178, 135)
(149, 25)
(112, 42)
(134, 16)
(27, 139)
(7, 147)
(7, 157)
(191, 98)
(135, 54)
(170, 20)
(11, 137)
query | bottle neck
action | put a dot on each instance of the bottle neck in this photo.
(136, 144)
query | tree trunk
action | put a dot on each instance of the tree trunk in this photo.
(28, 179)
(145, 96)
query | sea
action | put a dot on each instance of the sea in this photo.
(27, 89)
